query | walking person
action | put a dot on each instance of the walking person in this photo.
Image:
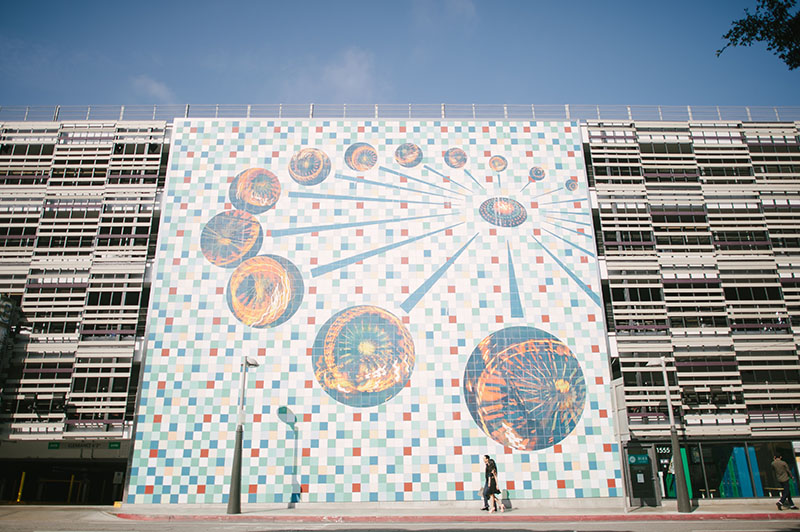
(490, 486)
(784, 474)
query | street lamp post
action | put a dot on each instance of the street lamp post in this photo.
(235, 497)
(681, 491)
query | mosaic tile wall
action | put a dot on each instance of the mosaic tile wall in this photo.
(417, 294)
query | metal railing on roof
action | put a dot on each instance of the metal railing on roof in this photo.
(403, 111)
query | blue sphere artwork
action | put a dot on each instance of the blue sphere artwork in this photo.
(503, 212)
(524, 388)
(455, 158)
(408, 155)
(309, 166)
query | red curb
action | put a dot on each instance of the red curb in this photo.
(464, 518)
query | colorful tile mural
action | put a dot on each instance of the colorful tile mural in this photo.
(417, 293)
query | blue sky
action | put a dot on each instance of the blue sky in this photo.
(418, 51)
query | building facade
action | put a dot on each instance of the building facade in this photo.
(418, 288)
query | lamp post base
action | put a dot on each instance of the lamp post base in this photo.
(235, 497)
(681, 491)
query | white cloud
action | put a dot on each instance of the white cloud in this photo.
(156, 91)
(350, 77)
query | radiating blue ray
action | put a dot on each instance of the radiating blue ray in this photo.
(313, 195)
(584, 235)
(473, 178)
(513, 288)
(564, 201)
(450, 179)
(526, 186)
(420, 292)
(389, 170)
(566, 212)
(548, 192)
(570, 243)
(587, 224)
(332, 227)
(387, 185)
(326, 268)
(594, 296)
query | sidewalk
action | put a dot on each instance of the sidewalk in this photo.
(450, 512)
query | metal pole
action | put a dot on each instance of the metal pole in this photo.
(235, 497)
(21, 485)
(681, 491)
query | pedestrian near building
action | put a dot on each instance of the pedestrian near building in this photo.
(490, 486)
(783, 473)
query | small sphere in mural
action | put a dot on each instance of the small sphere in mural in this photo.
(408, 155)
(309, 166)
(524, 388)
(255, 190)
(363, 356)
(498, 163)
(360, 156)
(231, 237)
(265, 291)
(503, 212)
(455, 158)
(536, 174)
(571, 185)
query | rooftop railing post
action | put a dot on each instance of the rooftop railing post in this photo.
(473, 111)
(566, 111)
(443, 115)
(777, 116)
(689, 110)
(505, 111)
(533, 112)
(154, 111)
(409, 110)
(280, 110)
(55, 114)
(28, 108)
(216, 111)
(376, 111)
(660, 114)
(88, 111)
(311, 110)
(344, 110)
(749, 117)
(630, 114)
(719, 115)
(248, 110)
(186, 111)
(598, 112)
(121, 111)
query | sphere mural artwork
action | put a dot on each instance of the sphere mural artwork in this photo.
(503, 212)
(571, 185)
(455, 158)
(408, 155)
(255, 190)
(309, 166)
(498, 163)
(536, 174)
(524, 388)
(231, 237)
(363, 356)
(360, 156)
(265, 291)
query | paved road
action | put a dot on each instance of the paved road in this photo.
(100, 519)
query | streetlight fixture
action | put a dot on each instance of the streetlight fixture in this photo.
(681, 491)
(235, 497)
